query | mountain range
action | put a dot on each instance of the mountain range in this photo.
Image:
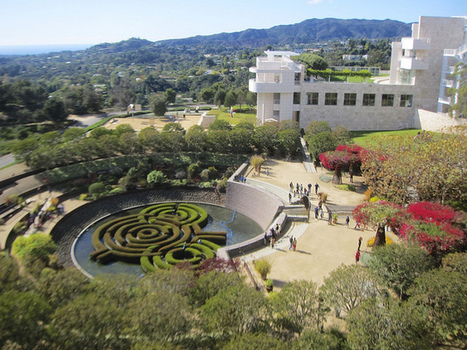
(308, 31)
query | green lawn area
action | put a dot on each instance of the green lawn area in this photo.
(365, 138)
(223, 114)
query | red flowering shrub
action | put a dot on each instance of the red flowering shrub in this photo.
(374, 213)
(432, 212)
(435, 227)
(434, 237)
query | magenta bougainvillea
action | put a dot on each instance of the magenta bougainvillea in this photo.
(344, 157)
(432, 212)
(437, 228)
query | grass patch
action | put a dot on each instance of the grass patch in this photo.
(245, 115)
(367, 138)
(346, 187)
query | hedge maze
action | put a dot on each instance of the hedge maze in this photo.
(159, 236)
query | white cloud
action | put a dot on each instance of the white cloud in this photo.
(314, 2)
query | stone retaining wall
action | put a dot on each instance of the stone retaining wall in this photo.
(71, 225)
(435, 122)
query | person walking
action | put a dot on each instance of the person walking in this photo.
(347, 221)
(357, 257)
(359, 243)
(316, 188)
(291, 242)
(294, 244)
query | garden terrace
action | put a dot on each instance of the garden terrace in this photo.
(71, 225)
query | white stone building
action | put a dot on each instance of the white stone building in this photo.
(420, 75)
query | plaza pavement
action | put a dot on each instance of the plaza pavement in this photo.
(321, 247)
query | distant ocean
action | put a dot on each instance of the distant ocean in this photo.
(38, 49)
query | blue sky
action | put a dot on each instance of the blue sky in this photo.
(58, 22)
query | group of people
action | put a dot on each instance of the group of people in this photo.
(293, 243)
(270, 236)
(298, 190)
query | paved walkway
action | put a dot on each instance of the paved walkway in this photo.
(321, 247)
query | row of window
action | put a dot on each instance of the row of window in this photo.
(350, 99)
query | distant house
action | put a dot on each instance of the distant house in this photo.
(420, 76)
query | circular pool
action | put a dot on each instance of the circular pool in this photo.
(235, 227)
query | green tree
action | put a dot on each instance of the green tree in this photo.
(9, 272)
(317, 127)
(54, 110)
(320, 143)
(210, 284)
(383, 323)
(460, 72)
(220, 124)
(196, 138)
(63, 286)
(400, 264)
(96, 188)
(236, 310)
(330, 339)
(455, 262)
(266, 138)
(219, 97)
(159, 105)
(348, 286)
(73, 134)
(442, 294)
(170, 95)
(230, 99)
(250, 341)
(311, 61)
(250, 99)
(289, 142)
(23, 318)
(297, 307)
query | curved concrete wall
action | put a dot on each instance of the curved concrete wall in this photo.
(253, 202)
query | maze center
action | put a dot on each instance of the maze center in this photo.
(160, 235)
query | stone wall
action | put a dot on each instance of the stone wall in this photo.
(258, 205)
(71, 225)
(435, 122)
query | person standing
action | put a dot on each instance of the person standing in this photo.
(291, 242)
(273, 238)
(357, 256)
(316, 212)
(347, 221)
(316, 188)
(359, 243)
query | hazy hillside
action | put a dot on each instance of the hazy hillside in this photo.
(311, 30)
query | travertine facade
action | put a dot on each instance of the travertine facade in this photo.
(421, 68)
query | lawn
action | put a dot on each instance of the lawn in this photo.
(365, 138)
(245, 115)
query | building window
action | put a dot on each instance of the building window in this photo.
(350, 99)
(330, 99)
(277, 98)
(312, 98)
(275, 114)
(297, 78)
(277, 78)
(387, 100)
(406, 100)
(296, 98)
(369, 99)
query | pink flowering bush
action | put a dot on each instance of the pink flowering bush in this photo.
(435, 227)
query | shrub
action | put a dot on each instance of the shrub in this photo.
(263, 267)
(97, 188)
(193, 170)
(34, 247)
(156, 177)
